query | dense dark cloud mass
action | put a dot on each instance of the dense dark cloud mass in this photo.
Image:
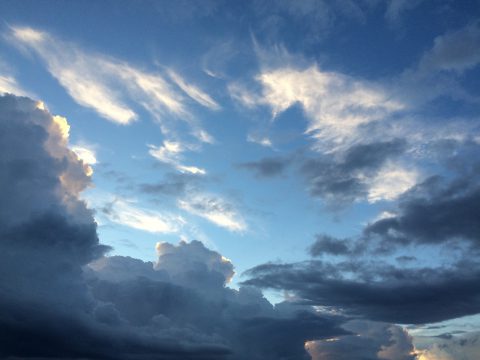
(435, 211)
(347, 178)
(63, 298)
(381, 292)
(441, 213)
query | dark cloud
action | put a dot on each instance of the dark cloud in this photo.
(372, 340)
(435, 211)
(378, 292)
(171, 185)
(184, 294)
(61, 297)
(457, 50)
(267, 167)
(346, 179)
(329, 245)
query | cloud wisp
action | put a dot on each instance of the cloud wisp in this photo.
(94, 80)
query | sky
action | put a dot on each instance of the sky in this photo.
(240, 179)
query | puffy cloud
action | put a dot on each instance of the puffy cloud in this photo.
(371, 341)
(87, 155)
(215, 210)
(184, 291)
(62, 298)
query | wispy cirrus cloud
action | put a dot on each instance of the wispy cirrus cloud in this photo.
(94, 80)
(8, 82)
(171, 153)
(214, 209)
(127, 213)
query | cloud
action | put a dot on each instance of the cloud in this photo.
(61, 297)
(170, 153)
(434, 212)
(362, 171)
(214, 209)
(371, 341)
(109, 85)
(455, 51)
(195, 93)
(124, 212)
(87, 155)
(334, 104)
(396, 8)
(328, 245)
(266, 167)
(184, 293)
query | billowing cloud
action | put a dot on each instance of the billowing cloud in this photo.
(61, 297)
(214, 209)
(440, 214)
(372, 340)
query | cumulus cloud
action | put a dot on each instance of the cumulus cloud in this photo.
(215, 209)
(372, 340)
(61, 297)
(94, 81)
(440, 213)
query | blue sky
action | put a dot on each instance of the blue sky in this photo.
(268, 129)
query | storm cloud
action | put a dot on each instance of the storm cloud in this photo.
(62, 297)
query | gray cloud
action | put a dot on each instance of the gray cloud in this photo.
(329, 245)
(60, 297)
(346, 179)
(267, 167)
(456, 50)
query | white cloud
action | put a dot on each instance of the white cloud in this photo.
(194, 92)
(124, 212)
(108, 85)
(390, 183)
(215, 210)
(260, 140)
(334, 104)
(243, 95)
(84, 153)
(8, 84)
(170, 153)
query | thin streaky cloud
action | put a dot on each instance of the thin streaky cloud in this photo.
(93, 80)
(214, 209)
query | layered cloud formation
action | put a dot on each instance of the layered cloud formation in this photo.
(63, 298)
